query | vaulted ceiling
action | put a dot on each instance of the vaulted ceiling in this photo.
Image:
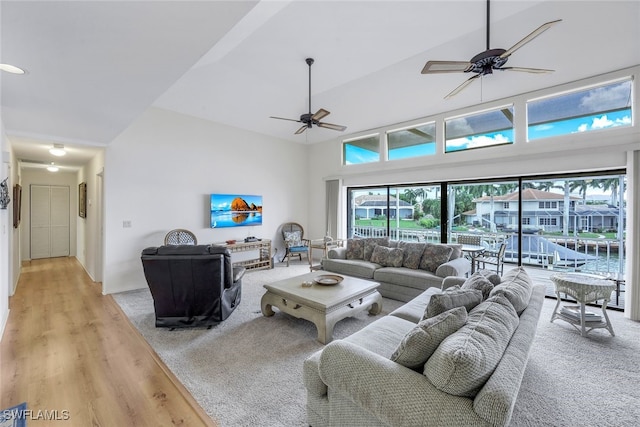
(94, 66)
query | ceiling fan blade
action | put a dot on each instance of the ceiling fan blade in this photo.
(302, 129)
(320, 114)
(282, 118)
(462, 86)
(535, 33)
(332, 126)
(526, 70)
(433, 67)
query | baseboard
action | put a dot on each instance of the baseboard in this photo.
(4, 324)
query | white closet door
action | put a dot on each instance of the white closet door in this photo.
(49, 221)
(59, 221)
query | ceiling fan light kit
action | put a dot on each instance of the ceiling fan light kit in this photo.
(486, 62)
(310, 119)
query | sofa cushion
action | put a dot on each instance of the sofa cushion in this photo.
(407, 277)
(421, 341)
(452, 298)
(480, 282)
(412, 253)
(357, 268)
(466, 359)
(516, 286)
(387, 257)
(382, 336)
(370, 244)
(434, 255)
(414, 309)
(355, 249)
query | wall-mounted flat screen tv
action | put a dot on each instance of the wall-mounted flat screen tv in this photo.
(235, 210)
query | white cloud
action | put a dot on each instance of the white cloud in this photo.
(607, 97)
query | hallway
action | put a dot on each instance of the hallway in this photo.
(70, 353)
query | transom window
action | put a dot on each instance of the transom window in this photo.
(361, 150)
(484, 129)
(600, 107)
(412, 142)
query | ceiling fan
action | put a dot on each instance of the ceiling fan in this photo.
(487, 61)
(310, 119)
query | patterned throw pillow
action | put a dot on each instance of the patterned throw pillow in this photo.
(464, 361)
(355, 249)
(433, 256)
(370, 243)
(491, 276)
(516, 286)
(412, 254)
(421, 341)
(452, 298)
(387, 257)
(292, 238)
(480, 282)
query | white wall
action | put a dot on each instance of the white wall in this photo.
(44, 177)
(5, 236)
(160, 172)
(88, 229)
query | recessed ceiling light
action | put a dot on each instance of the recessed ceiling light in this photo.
(52, 168)
(57, 150)
(11, 69)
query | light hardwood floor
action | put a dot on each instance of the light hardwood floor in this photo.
(67, 347)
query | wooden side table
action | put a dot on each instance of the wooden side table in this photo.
(323, 245)
(585, 288)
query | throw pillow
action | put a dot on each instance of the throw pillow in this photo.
(355, 249)
(439, 303)
(478, 281)
(434, 255)
(387, 257)
(491, 276)
(412, 254)
(456, 251)
(370, 243)
(421, 341)
(516, 286)
(466, 359)
(293, 238)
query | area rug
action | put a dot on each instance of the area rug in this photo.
(247, 371)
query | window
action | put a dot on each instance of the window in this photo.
(361, 150)
(526, 221)
(548, 205)
(412, 142)
(600, 107)
(548, 221)
(505, 206)
(485, 129)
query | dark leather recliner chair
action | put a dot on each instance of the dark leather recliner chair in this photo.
(192, 285)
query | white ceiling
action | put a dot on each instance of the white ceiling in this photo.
(94, 66)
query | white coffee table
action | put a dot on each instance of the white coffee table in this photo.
(322, 305)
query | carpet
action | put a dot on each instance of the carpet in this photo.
(247, 371)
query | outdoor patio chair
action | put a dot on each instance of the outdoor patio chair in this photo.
(493, 258)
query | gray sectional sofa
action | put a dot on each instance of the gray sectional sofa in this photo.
(446, 358)
(403, 269)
